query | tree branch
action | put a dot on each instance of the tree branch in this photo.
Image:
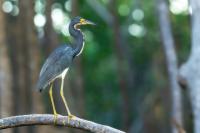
(48, 119)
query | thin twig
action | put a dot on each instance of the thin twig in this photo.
(48, 119)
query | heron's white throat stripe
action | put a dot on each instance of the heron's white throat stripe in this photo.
(81, 49)
(76, 27)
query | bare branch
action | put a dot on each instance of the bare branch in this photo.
(189, 71)
(48, 119)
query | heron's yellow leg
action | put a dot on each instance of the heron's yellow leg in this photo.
(52, 102)
(65, 102)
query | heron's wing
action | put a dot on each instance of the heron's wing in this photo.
(59, 60)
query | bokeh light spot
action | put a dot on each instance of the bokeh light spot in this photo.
(136, 30)
(7, 6)
(179, 6)
(39, 20)
(68, 5)
(64, 29)
(138, 14)
(39, 6)
(123, 10)
(57, 17)
(15, 10)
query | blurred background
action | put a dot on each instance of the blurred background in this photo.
(121, 79)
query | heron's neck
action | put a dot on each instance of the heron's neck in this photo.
(78, 40)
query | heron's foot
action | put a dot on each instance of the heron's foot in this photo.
(55, 118)
(70, 116)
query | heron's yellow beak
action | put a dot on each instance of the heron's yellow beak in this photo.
(84, 22)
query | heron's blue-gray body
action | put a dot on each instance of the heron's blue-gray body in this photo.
(55, 66)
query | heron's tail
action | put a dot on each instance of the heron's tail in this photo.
(41, 85)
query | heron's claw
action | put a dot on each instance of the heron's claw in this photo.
(55, 118)
(70, 116)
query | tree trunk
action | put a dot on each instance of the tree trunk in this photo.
(189, 72)
(50, 36)
(6, 105)
(122, 72)
(170, 54)
(12, 36)
(23, 49)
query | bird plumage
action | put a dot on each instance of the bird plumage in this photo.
(59, 60)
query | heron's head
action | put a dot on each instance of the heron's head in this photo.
(78, 21)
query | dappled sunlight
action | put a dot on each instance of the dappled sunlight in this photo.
(136, 30)
(39, 6)
(39, 20)
(179, 6)
(10, 7)
(68, 5)
(7, 6)
(123, 10)
(64, 29)
(138, 14)
(60, 19)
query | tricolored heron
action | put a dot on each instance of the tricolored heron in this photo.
(59, 61)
